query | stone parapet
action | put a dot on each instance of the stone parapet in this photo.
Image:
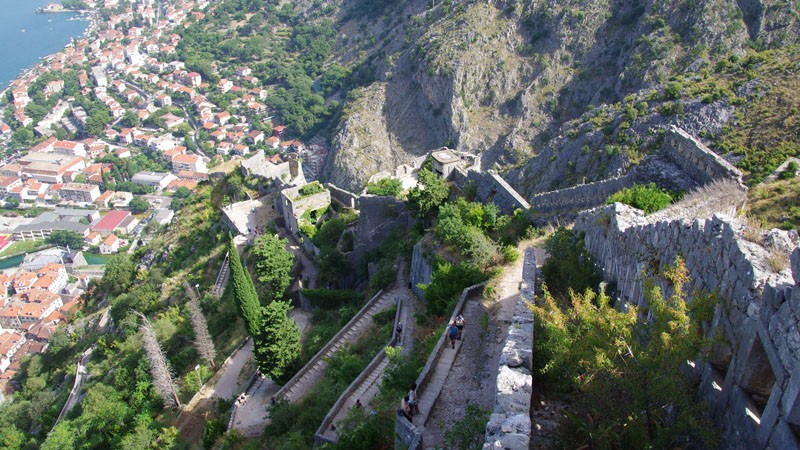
(509, 425)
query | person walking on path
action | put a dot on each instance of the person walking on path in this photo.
(412, 399)
(453, 333)
(460, 322)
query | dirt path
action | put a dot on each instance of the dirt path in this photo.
(473, 374)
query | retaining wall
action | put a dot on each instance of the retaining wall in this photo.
(751, 380)
(407, 435)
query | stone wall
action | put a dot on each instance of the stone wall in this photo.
(751, 381)
(421, 270)
(293, 205)
(695, 158)
(378, 217)
(579, 197)
(509, 425)
(342, 196)
(491, 187)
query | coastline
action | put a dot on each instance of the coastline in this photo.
(91, 16)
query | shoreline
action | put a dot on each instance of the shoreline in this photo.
(89, 15)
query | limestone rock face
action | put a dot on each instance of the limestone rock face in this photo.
(512, 78)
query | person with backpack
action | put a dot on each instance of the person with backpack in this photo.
(453, 333)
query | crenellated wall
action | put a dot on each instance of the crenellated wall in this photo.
(751, 381)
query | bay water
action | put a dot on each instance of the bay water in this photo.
(26, 37)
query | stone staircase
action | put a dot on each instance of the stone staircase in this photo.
(315, 369)
(368, 383)
(222, 278)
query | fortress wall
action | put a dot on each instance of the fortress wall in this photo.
(696, 159)
(343, 196)
(579, 197)
(751, 382)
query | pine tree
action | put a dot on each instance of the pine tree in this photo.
(244, 293)
(278, 343)
(202, 339)
(159, 368)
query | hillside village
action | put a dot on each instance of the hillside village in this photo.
(85, 177)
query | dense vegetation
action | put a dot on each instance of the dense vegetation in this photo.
(648, 198)
(623, 369)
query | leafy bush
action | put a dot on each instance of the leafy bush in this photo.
(390, 187)
(569, 265)
(789, 172)
(633, 392)
(447, 283)
(648, 198)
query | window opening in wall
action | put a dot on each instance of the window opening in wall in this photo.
(758, 377)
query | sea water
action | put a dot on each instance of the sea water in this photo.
(26, 37)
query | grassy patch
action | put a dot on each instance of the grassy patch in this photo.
(777, 204)
(24, 247)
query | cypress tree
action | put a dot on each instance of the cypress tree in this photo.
(278, 343)
(244, 293)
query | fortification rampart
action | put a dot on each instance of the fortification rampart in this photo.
(378, 217)
(509, 425)
(751, 380)
(696, 159)
(579, 197)
(682, 163)
(343, 196)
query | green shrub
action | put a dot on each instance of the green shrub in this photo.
(569, 265)
(789, 172)
(648, 198)
(390, 187)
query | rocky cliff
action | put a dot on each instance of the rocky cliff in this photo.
(511, 78)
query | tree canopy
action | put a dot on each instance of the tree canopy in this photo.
(278, 343)
(65, 238)
(273, 264)
(428, 195)
(244, 293)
